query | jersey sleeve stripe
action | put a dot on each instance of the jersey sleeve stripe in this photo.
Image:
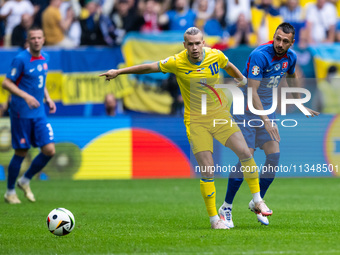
(19, 79)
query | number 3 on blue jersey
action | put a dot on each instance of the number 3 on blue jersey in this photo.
(214, 68)
(41, 81)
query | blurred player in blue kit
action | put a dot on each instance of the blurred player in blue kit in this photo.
(29, 126)
(266, 66)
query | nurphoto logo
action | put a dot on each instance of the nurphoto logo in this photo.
(238, 105)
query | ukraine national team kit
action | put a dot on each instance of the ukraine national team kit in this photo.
(29, 126)
(263, 65)
(195, 79)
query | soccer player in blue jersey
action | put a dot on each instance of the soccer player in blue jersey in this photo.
(29, 126)
(266, 66)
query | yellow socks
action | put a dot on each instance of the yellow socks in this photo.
(250, 174)
(208, 191)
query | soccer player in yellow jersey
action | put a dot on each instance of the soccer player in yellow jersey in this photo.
(197, 72)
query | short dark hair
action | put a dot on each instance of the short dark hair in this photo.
(286, 28)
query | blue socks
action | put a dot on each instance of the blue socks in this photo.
(13, 171)
(267, 177)
(37, 165)
(234, 182)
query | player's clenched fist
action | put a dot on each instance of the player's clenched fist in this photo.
(111, 74)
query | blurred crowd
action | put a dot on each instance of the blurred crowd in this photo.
(71, 23)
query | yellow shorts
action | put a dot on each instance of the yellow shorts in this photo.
(202, 129)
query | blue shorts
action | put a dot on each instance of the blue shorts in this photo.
(254, 136)
(26, 132)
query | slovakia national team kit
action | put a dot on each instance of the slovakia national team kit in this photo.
(29, 126)
(263, 65)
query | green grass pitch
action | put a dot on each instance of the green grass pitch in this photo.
(169, 217)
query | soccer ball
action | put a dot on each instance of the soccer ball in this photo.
(60, 221)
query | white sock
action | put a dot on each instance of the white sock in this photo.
(214, 218)
(23, 180)
(226, 205)
(10, 192)
(257, 197)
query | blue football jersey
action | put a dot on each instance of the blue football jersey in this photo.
(265, 66)
(29, 74)
(181, 21)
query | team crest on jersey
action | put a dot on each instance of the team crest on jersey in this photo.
(39, 67)
(164, 61)
(14, 71)
(284, 65)
(255, 70)
(200, 69)
(277, 67)
(45, 66)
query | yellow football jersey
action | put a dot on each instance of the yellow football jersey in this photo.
(195, 79)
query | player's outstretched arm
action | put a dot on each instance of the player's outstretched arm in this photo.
(293, 81)
(271, 129)
(13, 89)
(234, 72)
(138, 69)
(50, 102)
